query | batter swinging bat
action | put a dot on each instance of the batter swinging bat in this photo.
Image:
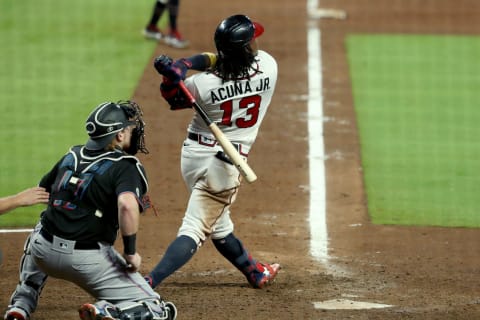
(226, 144)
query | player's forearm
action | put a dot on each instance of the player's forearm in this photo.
(129, 213)
(9, 203)
(128, 219)
(202, 61)
(24, 198)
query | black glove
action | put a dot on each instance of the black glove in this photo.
(162, 63)
(173, 71)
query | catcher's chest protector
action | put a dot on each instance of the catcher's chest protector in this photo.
(74, 177)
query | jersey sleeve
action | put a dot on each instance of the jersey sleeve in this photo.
(131, 177)
(48, 179)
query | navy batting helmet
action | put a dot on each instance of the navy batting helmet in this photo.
(235, 33)
(104, 122)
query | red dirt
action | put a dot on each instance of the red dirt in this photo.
(424, 273)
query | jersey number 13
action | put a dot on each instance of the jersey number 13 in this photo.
(252, 106)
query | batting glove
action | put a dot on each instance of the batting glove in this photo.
(173, 71)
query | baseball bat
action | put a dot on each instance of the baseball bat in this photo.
(226, 144)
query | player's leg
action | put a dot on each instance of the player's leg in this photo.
(209, 198)
(203, 210)
(123, 295)
(24, 299)
(173, 9)
(142, 309)
(224, 176)
(258, 274)
(102, 273)
(178, 253)
(152, 31)
(182, 249)
(100, 270)
(174, 38)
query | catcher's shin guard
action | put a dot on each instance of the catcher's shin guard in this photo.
(147, 310)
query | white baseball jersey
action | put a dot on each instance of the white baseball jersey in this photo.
(237, 108)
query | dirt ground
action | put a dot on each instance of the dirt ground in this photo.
(423, 273)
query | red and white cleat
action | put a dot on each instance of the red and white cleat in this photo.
(265, 277)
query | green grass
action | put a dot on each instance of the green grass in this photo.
(58, 60)
(416, 100)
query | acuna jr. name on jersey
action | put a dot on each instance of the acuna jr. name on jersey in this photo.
(239, 88)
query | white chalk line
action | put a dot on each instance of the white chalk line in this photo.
(316, 156)
(346, 304)
(15, 230)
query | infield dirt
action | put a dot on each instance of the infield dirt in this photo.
(423, 273)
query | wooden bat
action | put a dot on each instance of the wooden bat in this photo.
(226, 144)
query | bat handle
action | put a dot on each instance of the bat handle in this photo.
(187, 92)
(194, 103)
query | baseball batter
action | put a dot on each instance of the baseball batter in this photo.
(96, 191)
(235, 90)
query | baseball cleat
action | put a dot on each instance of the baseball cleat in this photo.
(175, 40)
(267, 277)
(152, 32)
(16, 313)
(149, 280)
(89, 311)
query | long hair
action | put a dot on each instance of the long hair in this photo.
(235, 64)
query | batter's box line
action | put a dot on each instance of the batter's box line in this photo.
(320, 13)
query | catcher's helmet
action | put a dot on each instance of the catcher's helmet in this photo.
(104, 122)
(235, 33)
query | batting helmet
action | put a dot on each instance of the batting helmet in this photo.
(104, 122)
(235, 33)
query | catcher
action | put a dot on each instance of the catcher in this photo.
(235, 89)
(96, 192)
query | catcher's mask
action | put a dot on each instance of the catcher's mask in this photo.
(235, 33)
(108, 118)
